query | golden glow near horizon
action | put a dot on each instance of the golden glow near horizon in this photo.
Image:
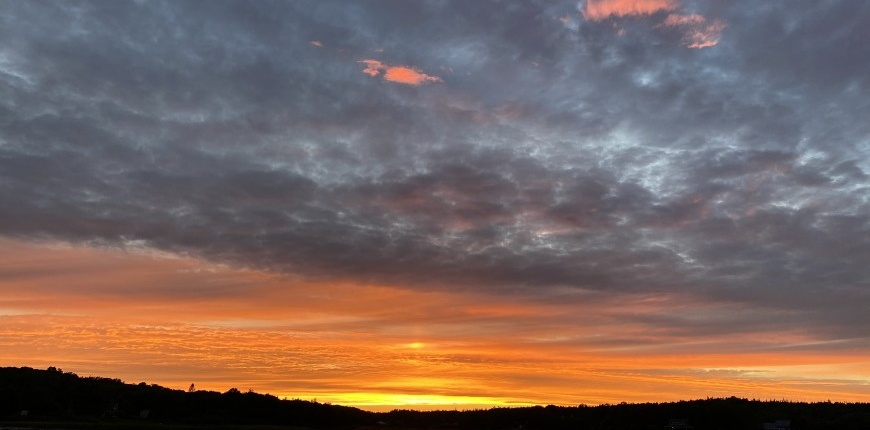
(114, 313)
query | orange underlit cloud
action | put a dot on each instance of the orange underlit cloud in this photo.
(399, 74)
(697, 31)
(600, 9)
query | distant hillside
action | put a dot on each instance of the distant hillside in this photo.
(46, 398)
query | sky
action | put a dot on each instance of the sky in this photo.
(440, 204)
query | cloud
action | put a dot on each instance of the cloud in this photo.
(698, 33)
(373, 67)
(601, 9)
(675, 19)
(399, 74)
(409, 76)
(253, 166)
(559, 163)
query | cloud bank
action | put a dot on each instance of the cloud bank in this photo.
(552, 163)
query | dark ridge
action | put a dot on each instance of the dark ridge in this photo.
(31, 398)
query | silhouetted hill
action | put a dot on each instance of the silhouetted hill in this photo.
(93, 402)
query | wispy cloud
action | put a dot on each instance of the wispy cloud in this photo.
(697, 32)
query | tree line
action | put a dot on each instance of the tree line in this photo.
(34, 395)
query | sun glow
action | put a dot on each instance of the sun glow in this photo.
(420, 350)
(381, 402)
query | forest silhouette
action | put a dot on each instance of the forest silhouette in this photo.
(55, 399)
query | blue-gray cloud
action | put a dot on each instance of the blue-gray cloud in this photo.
(596, 155)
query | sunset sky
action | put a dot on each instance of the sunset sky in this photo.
(440, 204)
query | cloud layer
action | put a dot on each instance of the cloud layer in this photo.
(547, 152)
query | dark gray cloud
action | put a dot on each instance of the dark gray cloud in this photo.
(595, 155)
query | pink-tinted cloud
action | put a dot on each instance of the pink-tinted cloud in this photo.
(316, 43)
(705, 37)
(410, 76)
(698, 33)
(373, 67)
(600, 9)
(676, 19)
(399, 74)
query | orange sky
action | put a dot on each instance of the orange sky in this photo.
(121, 314)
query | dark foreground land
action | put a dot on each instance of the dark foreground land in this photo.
(45, 399)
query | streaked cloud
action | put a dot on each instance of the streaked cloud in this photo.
(698, 33)
(182, 320)
(675, 20)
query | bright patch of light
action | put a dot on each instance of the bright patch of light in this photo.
(644, 79)
(388, 401)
